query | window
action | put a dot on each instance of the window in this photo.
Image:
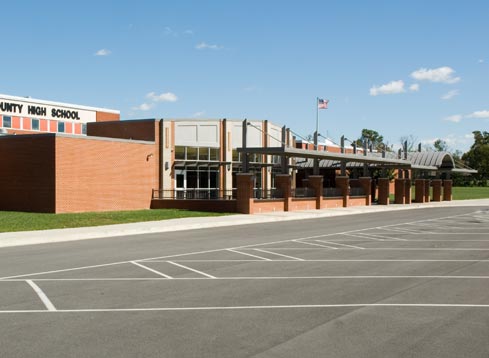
(192, 153)
(7, 121)
(179, 152)
(204, 154)
(35, 124)
(61, 127)
(214, 154)
(84, 128)
(236, 156)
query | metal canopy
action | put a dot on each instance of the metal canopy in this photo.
(304, 153)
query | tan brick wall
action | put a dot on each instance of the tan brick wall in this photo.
(99, 175)
(105, 117)
(27, 181)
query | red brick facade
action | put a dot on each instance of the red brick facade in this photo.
(57, 174)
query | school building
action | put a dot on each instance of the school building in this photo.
(57, 157)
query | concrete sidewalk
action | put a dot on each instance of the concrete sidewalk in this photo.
(85, 233)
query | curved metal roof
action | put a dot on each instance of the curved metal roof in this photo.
(432, 159)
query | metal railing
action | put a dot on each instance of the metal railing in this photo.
(357, 191)
(263, 194)
(195, 194)
(332, 192)
(303, 193)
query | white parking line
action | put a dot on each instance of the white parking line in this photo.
(363, 236)
(191, 269)
(47, 302)
(274, 253)
(230, 308)
(150, 269)
(247, 254)
(335, 243)
(313, 244)
(252, 278)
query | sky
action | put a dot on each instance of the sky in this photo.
(415, 69)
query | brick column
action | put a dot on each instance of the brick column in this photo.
(244, 194)
(342, 182)
(419, 190)
(436, 189)
(399, 191)
(427, 191)
(316, 183)
(407, 191)
(447, 190)
(284, 183)
(383, 184)
(366, 183)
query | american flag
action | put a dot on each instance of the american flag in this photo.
(323, 103)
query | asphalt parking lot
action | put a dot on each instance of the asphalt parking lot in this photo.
(410, 285)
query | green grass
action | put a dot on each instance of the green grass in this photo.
(463, 193)
(19, 221)
(458, 193)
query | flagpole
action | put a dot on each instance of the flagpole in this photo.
(316, 135)
(317, 124)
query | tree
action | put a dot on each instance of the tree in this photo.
(411, 142)
(440, 145)
(373, 137)
(478, 156)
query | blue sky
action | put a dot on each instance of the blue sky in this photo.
(403, 68)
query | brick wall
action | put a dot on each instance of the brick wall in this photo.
(137, 130)
(27, 181)
(102, 175)
(106, 116)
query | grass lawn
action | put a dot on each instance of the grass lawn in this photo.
(458, 193)
(476, 192)
(18, 221)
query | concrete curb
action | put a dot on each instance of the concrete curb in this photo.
(85, 233)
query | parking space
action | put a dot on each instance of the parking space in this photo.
(404, 274)
(352, 267)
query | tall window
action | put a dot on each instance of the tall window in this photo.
(7, 122)
(61, 127)
(35, 124)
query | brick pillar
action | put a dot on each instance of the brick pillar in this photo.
(436, 189)
(447, 190)
(427, 191)
(284, 183)
(383, 184)
(244, 194)
(419, 190)
(316, 183)
(407, 191)
(399, 191)
(366, 183)
(342, 182)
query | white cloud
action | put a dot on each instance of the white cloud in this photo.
(389, 88)
(206, 46)
(102, 52)
(455, 118)
(450, 94)
(143, 107)
(440, 75)
(479, 114)
(164, 97)
(481, 60)
(414, 87)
